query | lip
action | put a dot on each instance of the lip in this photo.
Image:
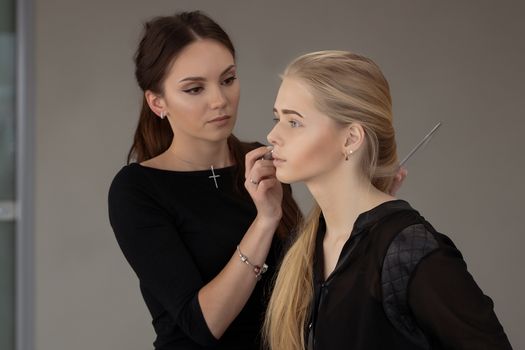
(276, 159)
(219, 119)
(278, 162)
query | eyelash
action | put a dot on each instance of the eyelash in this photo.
(230, 80)
(293, 123)
(194, 91)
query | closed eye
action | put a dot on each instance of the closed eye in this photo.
(230, 80)
(194, 90)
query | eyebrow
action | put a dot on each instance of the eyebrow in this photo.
(204, 79)
(288, 111)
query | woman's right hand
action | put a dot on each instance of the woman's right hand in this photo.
(398, 181)
(262, 185)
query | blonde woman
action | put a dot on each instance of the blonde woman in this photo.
(366, 271)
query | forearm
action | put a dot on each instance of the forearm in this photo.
(222, 299)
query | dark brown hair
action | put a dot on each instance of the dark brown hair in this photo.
(163, 39)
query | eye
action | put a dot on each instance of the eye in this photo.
(275, 120)
(294, 123)
(230, 80)
(194, 90)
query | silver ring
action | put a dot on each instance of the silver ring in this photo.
(254, 182)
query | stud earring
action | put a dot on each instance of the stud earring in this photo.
(348, 155)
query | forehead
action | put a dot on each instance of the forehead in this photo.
(203, 58)
(294, 94)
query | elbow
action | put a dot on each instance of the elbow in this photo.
(194, 324)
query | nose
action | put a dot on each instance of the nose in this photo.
(273, 136)
(218, 99)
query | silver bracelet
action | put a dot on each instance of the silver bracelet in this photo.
(258, 270)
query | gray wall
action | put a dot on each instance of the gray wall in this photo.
(456, 62)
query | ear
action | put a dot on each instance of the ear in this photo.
(156, 103)
(354, 138)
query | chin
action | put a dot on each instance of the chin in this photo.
(284, 181)
(219, 136)
(283, 178)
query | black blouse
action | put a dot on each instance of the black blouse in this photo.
(399, 284)
(177, 231)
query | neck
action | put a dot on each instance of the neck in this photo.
(343, 195)
(199, 154)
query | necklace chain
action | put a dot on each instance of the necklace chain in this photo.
(213, 176)
(191, 163)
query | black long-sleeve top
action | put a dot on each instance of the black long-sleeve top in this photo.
(177, 231)
(399, 284)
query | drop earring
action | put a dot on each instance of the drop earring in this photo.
(162, 115)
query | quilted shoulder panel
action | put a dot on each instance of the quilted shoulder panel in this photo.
(402, 257)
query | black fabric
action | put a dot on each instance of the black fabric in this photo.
(446, 309)
(177, 231)
(405, 252)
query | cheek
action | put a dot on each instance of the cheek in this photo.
(310, 156)
(187, 109)
(317, 146)
(233, 94)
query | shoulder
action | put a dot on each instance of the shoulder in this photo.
(406, 237)
(408, 249)
(411, 244)
(130, 179)
(128, 175)
(405, 252)
(133, 200)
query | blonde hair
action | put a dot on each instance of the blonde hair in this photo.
(350, 89)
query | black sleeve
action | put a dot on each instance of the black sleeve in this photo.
(158, 256)
(450, 307)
